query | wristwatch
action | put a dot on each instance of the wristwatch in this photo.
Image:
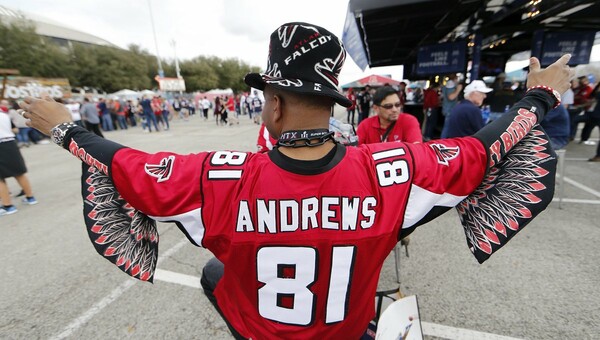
(553, 93)
(58, 133)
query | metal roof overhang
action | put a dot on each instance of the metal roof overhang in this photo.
(393, 30)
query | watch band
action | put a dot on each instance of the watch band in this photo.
(553, 93)
(58, 133)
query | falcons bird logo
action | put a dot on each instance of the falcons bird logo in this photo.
(445, 153)
(161, 171)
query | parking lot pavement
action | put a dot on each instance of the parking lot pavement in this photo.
(543, 285)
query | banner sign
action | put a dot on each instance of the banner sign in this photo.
(578, 44)
(171, 84)
(476, 57)
(442, 58)
(353, 42)
(21, 87)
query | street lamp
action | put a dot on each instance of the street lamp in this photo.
(161, 72)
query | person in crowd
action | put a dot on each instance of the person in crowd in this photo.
(21, 124)
(592, 119)
(177, 108)
(107, 123)
(402, 92)
(157, 108)
(148, 111)
(583, 99)
(218, 109)
(465, 119)
(418, 95)
(12, 164)
(431, 110)
(256, 105)
(298, 246)
(205, 106)
(556, 125)
(450, 94)
(131, 110)
(389, 123)
(590, 116)
(364, 103)
(90, 116)
(74, 107)
(224, 111)
(264, 142)
(230, 115)
(120, 113)
(351, 110)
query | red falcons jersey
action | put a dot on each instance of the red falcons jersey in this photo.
(302, 246)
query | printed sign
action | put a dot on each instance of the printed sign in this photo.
(171, 84)
(21, 87)
(442, 58)
(578, 44)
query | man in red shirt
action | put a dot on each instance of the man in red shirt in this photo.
(351, 110)
(300, 233)
(390, 124)
(431, 110)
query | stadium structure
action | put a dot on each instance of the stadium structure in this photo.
(56, 31)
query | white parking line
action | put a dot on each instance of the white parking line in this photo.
(575, 200)
(453, 333)
(432, 329)
(581, 186)
(107, 300)
(173, 277)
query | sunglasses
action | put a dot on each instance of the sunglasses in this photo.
(390, 106)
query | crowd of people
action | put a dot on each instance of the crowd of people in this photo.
(151, 113)
(451, 109)
(105, 114)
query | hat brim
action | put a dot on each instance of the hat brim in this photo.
(260, 80)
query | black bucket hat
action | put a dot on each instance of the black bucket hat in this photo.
(303, 58)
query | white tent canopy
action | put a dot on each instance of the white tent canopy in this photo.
(147, 93)
(125, 93)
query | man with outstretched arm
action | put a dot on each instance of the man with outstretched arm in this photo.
(300, 233)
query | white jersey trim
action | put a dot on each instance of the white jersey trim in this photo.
(419, 198)
(191, 221)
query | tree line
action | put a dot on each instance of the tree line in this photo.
(108, 68)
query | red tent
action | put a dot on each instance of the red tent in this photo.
(373, 80)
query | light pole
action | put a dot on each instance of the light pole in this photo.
(173, 43)
(161, 72)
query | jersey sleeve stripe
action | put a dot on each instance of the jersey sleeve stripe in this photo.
(191, 222)
(420, 198)
(389, 153)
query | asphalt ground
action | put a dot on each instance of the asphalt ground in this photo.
(543, 285)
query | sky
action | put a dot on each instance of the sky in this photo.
(223, 28)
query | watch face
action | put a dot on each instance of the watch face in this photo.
(58, 135)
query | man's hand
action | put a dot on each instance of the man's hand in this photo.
(557, 76)
(44, 113)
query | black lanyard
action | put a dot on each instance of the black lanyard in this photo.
(387, 131)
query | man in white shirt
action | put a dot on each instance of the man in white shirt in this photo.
(74, 106)
(205, 106)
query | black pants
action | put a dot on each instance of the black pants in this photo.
(95, 128)
(350, 119)
(211, 275)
